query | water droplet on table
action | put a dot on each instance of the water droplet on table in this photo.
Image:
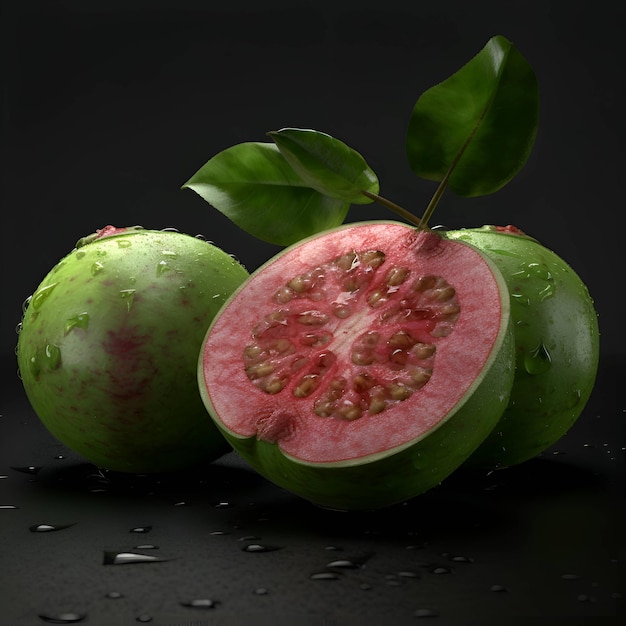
(257, 547)
(28, 469)
(62, 618)
(324, 576)
(112, 557)
(200, 603)
(141, 529)
(47, 528)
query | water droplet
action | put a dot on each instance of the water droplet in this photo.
(257, 547)
(141, 529)
(112, 557)
(78, 321)
(42, 295)
(128, 295)
(28, 469)
(80, 254)
(62, 618)
(461, 559)
(8, 507)
(59, 457)
(96, 268)
(222, 505)
(114, 595)
(162, 268)
(200, 603)
(440, 570)
(538, 360)
(26, 303)
(124, 243)
(48, 528)
(52, 356)
(425, 613)
(169, 254)
(146, 546)
(324, 576)
(343, 564)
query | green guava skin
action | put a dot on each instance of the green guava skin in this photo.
(556, 346)
(109, 343)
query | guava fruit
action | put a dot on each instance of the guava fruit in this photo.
(109, 344)
(360, 367)
(556, 345)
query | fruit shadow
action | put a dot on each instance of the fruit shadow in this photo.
(470, 503)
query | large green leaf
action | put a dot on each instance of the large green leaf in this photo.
(254, 186)
(475, 130)
(327, 164)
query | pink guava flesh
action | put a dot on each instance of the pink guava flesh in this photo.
(353, 344)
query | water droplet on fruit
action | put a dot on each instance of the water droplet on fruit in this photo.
(124, 243)
(80, 254)
(128, 295)
(42, 295)
(96, 268)
(162, 268)
(78, 321)
(538, 360)
(48, 528)
(112, 557)
(170, 254)
(26, 303)
(52, 356)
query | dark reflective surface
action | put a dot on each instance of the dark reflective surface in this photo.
(541, 539)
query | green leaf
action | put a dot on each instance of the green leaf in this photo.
(475, 130)
(327, 164)
(254, 186)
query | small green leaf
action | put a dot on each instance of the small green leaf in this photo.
(475, 130)
(327, 164)
(254, 186)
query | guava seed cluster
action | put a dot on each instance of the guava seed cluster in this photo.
(354, 335)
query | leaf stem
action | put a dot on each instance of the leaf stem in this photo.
(396, 208)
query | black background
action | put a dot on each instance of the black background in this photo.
(109, 107)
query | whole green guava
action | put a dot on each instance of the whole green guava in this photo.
(556, 344)
(109, 343)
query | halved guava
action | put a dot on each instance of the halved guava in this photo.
(360, 367)
(556, 345)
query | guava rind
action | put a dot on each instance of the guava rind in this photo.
(400, 473)
(108, 348)
(556, 346)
